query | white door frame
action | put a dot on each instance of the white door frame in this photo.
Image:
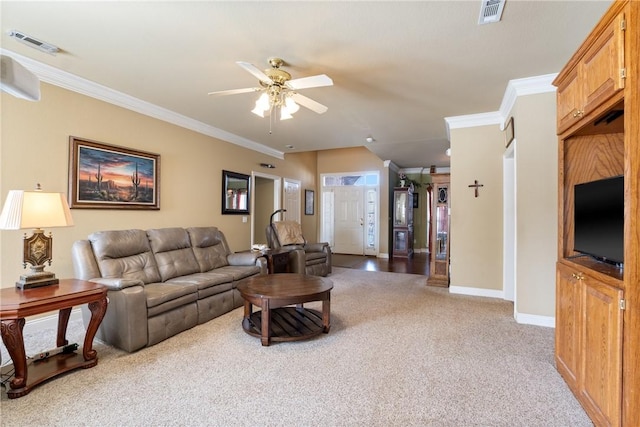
(510, 247)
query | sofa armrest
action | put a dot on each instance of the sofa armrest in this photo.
(297, 261)
(125, 325)
(262, 263)
(117, 284)
(317, 247)
(243, 258)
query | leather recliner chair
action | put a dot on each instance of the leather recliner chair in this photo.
(304, 258)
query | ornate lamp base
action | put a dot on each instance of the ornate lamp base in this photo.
(37, 251)
(35, 280)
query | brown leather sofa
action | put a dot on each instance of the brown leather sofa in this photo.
(162, 281)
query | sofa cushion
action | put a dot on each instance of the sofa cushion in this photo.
(239, 272)
(126, 254)
(208, 247)
(204, 280)
(160, 293)
(172, 249)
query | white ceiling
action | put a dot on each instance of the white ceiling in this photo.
(399, 68)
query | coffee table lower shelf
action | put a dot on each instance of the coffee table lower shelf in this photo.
(287, 324)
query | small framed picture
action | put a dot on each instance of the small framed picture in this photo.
(308, 202)
(509, 133)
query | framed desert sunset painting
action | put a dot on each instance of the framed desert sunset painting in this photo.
(105, 176)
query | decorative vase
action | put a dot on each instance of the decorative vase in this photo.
(402, 183)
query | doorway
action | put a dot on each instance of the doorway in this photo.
(265, 197)
(349, 218)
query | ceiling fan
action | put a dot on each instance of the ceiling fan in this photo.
(279, 91)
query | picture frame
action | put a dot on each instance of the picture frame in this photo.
(509, 132)
(236, 193)
(103, 176)
(309, 202)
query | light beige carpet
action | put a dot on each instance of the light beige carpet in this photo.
(398, 354)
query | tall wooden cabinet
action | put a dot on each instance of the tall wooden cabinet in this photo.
(597, 304)
(403, 222)
(439, 257)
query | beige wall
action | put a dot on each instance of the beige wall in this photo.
(34, 149)
(302, 166)
(536, 203)
(476, 222)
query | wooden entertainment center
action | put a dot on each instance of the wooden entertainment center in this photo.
(598, 304)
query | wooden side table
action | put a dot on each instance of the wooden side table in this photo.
(16, 304)
(277, 260)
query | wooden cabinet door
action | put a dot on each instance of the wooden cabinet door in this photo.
(569, 101)
(601, 370)
(602, 66)
(568, 324)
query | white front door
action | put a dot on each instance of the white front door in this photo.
(349, 220)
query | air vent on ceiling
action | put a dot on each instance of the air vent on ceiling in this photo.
(33, 42)
(491, 11)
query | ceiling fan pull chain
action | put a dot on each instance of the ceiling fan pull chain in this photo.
(270, 118)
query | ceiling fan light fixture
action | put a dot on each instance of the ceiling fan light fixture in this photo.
(263, 102)
(258, 111)
(285, 114)
(291, 105)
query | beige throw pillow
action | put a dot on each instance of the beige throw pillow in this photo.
(289, 233)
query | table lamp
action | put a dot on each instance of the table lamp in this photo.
(35, 209)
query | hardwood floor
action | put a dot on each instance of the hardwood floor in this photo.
(419, 264)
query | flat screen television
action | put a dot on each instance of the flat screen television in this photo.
(599, 219)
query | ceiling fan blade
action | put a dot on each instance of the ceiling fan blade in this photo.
(256, 72)
(309, 103)
(235, 91)
(309, 82)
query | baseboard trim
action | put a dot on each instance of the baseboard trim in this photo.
(476, 292)
(534, 319)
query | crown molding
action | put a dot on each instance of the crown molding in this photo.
(392, 166)
(473, 120)
(523, 87)
(65, 80)
(515, 88)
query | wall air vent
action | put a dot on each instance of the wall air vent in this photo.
(33, 42)
(491, 11)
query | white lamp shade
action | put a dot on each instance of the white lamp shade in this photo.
(35, 209)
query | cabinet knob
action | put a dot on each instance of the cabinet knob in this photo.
(578, 113)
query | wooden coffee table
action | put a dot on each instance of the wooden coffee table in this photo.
(277, 322)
